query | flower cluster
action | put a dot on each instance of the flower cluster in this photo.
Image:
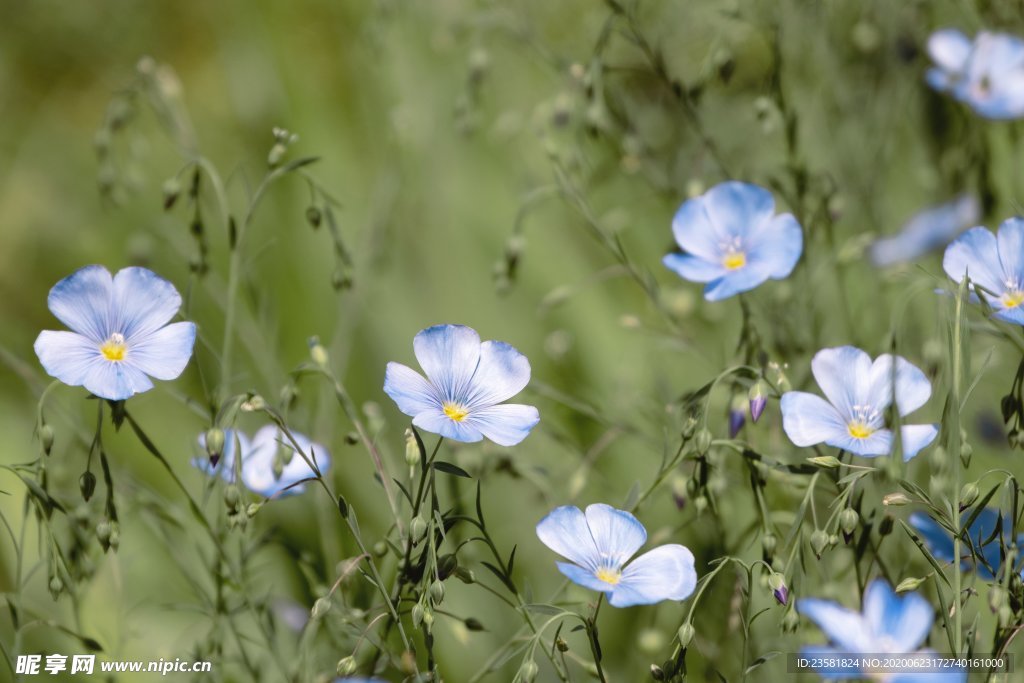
(986, 74)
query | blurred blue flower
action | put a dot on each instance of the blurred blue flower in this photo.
(270, 464)
(929, 229)
(889, 624)
(858, 392)
(467, 380)
(996, 263)
(120, 336)
(733, 240)
(987, 75)
(982, 533)
(600, 542)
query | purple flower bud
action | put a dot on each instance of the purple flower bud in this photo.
(736, 420)
(758, 400)
(782, 595)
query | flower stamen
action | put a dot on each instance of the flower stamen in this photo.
(609, 576)
(114, 348)
(734, 260)
(454, 411)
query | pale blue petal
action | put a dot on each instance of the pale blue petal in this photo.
(936, 537)
(258, 464)
(738, 209)
(927, 230)
(843, 373)
(436, 422)
(584, 577)
(976, 254)
(409, 390)
(82, 302)
(142, 302)
(68, 356)
(501, 374)
(506, 424)
(1013, 315)
(938, 79)
(565, 531)
(694, 268)
(116, 381)
(737, 281)
(163, 353)
(617, 534)
(809, 420)
(902, 622)
(777, 246)
(915, 437)
(949, 49)
(879, 443)
(449, 355)
(1010, 240)
(695, 232)
(844, 627)
(664, 573)
(912, 388)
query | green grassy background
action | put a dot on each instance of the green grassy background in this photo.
(435, 125)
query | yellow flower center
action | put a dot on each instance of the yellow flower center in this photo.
(859, 430)
(455, 411)
(114, 348)
(1012, 298)
(734, 260)
(612, 576)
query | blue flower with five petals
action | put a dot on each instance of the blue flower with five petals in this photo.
(926, 230)
(120, 333)
(733, 240)
(270, 466)
(996, 263)
(889, 624)
(467, 381)
(986, 541)
(858, 392)
(599, 544)
(987, 74)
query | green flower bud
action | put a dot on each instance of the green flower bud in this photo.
(87, 484)
(46, 435)
(428, 619)
(768, 543)
(657, 673)
(528, 671)
(685, 634)
(115, 537)
(561, 644)
(417, 529)
(313, 216)
(825, 461)
(232, 496)
(968, 495)
(689, 427)
(465, 575)
(214, 443)
(380, 548)
(56, 586)
(103, 531)
(446, 565)
(702, 442)
(412, 449)
(318, 353)
(321, 607)
(700, 504)
(996, 598)
(819, 541)
(848, 519)
(417, 615)
(650, 641)
(171, 189)
(437, 592)
(253, 509)
(885, 526)
(896, 499)
(790, 622)
(909, 584)
(346, 666)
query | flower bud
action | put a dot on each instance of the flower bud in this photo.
(446, 565)
(252, 509)
(46, 435)
(115, 537)
(437, 592)
(103, 530)
(909, 584)
(758, 400)
(679, 492)
(702, 442)
(768, 543)
(214, 439)
(895, 499)
(528, 671)
(313, 216)
(1005, 615)
(700, 504)
(276, 154)
(465, 575)
(885, 526)
(254, 404)
(657, 673)
(417, 615)
(791, 621)
(826, 461)
(685, 634)
(819, 541)
(232, 496)
(87, 484)
(428, 619)
(966, 450)
(412, 449)
(321, 607)
(968, 495)
(317, 352)
(737, 415)
(346, 666)
(561, 644)
(777, 582)
(417, 529)
(171, 189)
(848, 519)
(56, 586)
(689, 427)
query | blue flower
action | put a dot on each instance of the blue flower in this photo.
(733, 240)
(270, 464)
(467, 381)
(926, 230)
(983, 537)
(889, 624)
(120, 336)
(987, 75)
(600, 543)
(996, 263)
(858, 392)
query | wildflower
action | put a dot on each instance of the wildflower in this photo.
(858, 392)
(996, 263)
(926, 230)
(987, 75)
(733, 240)
(467, 380)
(120, 336)
(985, 546)
(600, 542)
(270, 466)
(889, 624)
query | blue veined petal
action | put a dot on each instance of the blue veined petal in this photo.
(116, 381)
(809, 420)
(738, 209)
(501, 374)
(975, 253)
(912, 388)
(777, 246)
(258, 464)
(163, 353)
(1010, 240)
(843, 626)
(694, 268)
(449, 355)
(836, 655)
(843, 373)
(82, 302)
(68, 356)
(617, 534)
(901, 622)
(436, 422)
(935, 536)
(949, 49)
(915, 437)
(409, 390)
(736, 281)
(878, 443)
(584, 577)
(664, 573)
(927, 230)
(565, 531)
(695, 232)
(142, 302)
(1013, 315)
(506, 424)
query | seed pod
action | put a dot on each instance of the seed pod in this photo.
(87, 484)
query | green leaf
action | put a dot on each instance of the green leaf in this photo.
(449, 468)
(761, 660)
(927, 555)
